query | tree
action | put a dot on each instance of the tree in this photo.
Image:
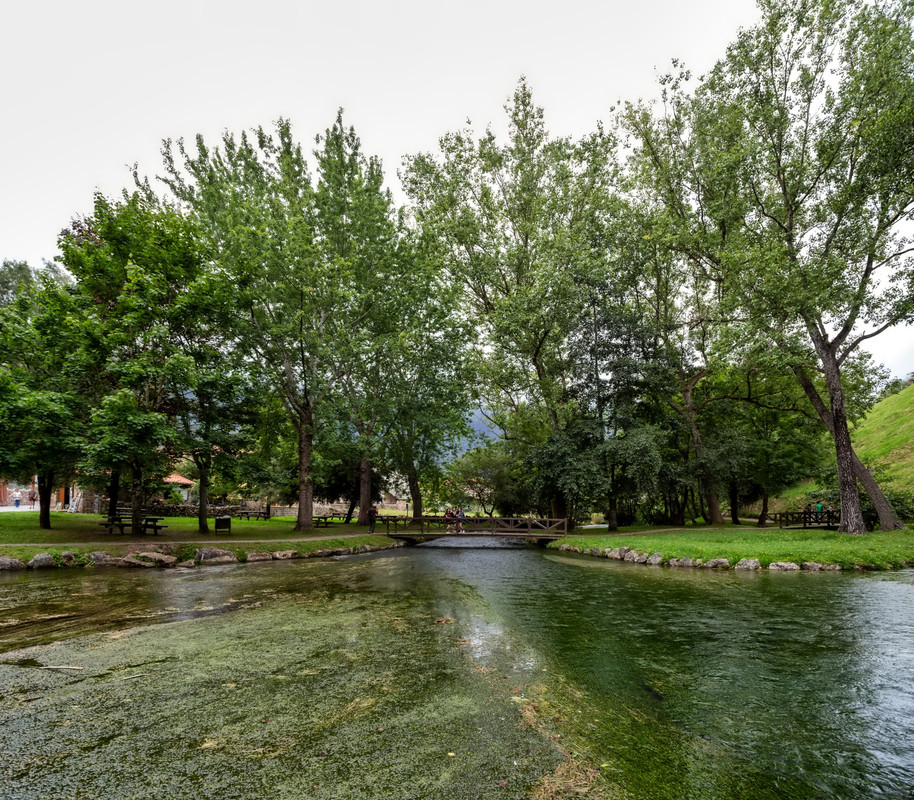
(789, 179)
(134, 263)
(519, 228)
(45, 388)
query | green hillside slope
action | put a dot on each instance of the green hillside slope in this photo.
(886, 438)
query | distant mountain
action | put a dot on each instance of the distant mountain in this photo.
(886, 437)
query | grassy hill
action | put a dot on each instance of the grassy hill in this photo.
(885, 438)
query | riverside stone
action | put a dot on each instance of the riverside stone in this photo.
(685, 561)
(102, 559)
(812, 566)
(159, 558)
(11, 563)
(42, 561)
(213, 555)
(619, 553)
(748, 563)
(783, 566)
(132, 561)
(280, 555)
(260, 557)
(655, 559)
(631, 555)
(717, 563)
(68, 559)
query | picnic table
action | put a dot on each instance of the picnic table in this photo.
(261, 514)
(124, 521)
(326, 520)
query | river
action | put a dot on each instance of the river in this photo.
(456, 670)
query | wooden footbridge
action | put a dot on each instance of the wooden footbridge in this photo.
(423, 529)
(827, 518)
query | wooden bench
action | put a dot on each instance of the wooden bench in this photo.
(265, 515)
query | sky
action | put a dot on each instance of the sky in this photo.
(89, 88)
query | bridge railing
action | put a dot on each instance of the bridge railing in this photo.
(808, 519)
(496, 525)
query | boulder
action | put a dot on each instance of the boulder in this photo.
(717, 563)
(641, 558)
(188, 563)
(159, 558)
(42, 561)
(214, 555)
(685, 561)
(69, 559)
(281, 555)
(748, 563)
(619, 553)
(783, 566)
(260, 557)
(11, 563)
(811, 566)
(655, 559)
(832, 567)
(631, 555)
(132, 561)
(102, 559)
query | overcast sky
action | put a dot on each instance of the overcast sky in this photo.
(87, 88)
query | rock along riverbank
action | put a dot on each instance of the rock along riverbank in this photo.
(162, 556)
(657, 560)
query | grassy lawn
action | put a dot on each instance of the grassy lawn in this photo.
(22, 527)
(882, 550)
(20, 536)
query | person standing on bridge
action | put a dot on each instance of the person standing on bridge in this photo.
(460, 517)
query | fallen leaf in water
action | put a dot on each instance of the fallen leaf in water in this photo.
(209, 743)
(443, 621)
(452, 754)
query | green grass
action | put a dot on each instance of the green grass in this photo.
(886, 437)
(881, 550)
(20, 537)
(22, 527)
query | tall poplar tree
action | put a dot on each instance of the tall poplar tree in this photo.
(790, 178)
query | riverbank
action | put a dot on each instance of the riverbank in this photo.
(186, 554)
(741, 547)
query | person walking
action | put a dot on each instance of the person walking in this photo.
(17, 498)
(372, 518)
(33, 496)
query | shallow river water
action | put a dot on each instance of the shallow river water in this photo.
(412, 674)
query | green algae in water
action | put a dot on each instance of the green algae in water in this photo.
(328, 694)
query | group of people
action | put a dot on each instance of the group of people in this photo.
(17, 498)
(453, 518)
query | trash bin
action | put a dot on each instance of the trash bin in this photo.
(223, 524)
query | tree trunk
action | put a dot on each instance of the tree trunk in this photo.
(352, 505)
(887, 519)
(114, 490)
(364, 491)
(612, 513)
(851, 515)
(305, 520)
(560, 509)
(764, 513)
(734, 503)
(415, 493)
(45, 487)
(203, 503)
(709, 494)
(136, 500)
